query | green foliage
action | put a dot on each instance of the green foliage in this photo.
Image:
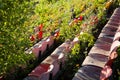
(118, 51)
(58, 13)
(86, 39)
(13, 34)
(74, 61)
(68, 32)
(17, 15)
(75, 53)
(116, 65)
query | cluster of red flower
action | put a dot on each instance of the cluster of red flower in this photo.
(38, 33)
(76, 20)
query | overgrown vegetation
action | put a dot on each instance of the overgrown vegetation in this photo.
(18, 18)
(14, 35)
(76, 56)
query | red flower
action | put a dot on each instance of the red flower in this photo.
(80, 18)
(32, 38)
(40, 27)
(56, 34)
(40, 34)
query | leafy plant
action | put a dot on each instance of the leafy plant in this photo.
(118, 51)
(86, 38)
(73, 62)
(13, 34)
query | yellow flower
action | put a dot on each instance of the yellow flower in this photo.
(77, 65)
(108, 4)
